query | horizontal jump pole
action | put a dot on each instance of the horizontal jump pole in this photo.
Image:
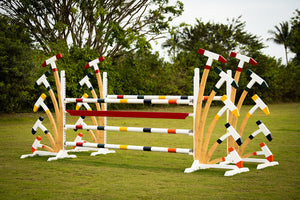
(130, 147)
(129, 101)
(134, 114)
(217, 98)
(129, 129)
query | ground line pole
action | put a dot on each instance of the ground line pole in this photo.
(228, 94)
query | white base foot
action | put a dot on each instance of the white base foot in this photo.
(234, 169)
(102, 151)
(61, 155)
(39, 153)
(265, 162)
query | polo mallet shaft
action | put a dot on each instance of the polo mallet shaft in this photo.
(243, 146)
(198, 136)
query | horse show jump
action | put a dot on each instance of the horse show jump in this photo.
(233, 161)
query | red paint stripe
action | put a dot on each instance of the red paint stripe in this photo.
(79, 126)
(101, 58)
(262, 144)
(222, 59)
(205, 98)
(239, 69)
(134, 114)
(33, 149)
(172, 101)
(223, 159)
(252, 61)
(80, 144)
(79, 99)
(80, 134)
(233, 54)
(173, 131)
(231, 149)
(207, 67)
(87, 66)
(97, 71)
(254, 153)
(201, 51)
(59, 56)
(239, 164)
(172, 150)
(120, 97)
(54, 69)
(39, 138)
(44, 64)
(270, 158)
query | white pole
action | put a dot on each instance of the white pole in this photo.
(105, 84)
(196, 84)
(228, 93)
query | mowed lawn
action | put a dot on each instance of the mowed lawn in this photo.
(150, 175)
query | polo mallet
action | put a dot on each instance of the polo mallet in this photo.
(224, 78)
(43, 80)
(87, 107)
(258, 104)
(230, 132)
(38, 124)
(262, 129)
(37, 144)
(242, 60)
(254, 79)
(198, 136)
(94, 63)
(228, 105)
(233, 157)
(40, 103)
(51, 61)
(80, 122)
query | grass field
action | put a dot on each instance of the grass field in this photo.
(150, 175)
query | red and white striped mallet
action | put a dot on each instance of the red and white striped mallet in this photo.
(265, 151)
(211, 56)
(36, 144)
(52, 62)
(94, 63)
(242, 59)
(233, 157)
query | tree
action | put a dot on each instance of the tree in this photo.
(109, 27)
(18, 70)
(294, 43)
(281, 35)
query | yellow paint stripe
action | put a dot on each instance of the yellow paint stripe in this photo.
(123, 128)
(162, 97)
(236, 113)
(223, 98)
(85, 95)
(47, 111)
(43, 96)
(124, 147)
(123, 100)
(217, 117)
(254, 97)
(35, 108)
(266, 111)
(248, 115)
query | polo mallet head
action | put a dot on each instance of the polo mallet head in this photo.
(228, 105)
(86, 105)
(265, 151)
(40, 102)
(36, 144)
(80, 121)
(211, 56)
(38, 124)
(234, 134)
(224, 77)
(43, 80)
(242, 59)
(94, 63)
(255, 79)
(262, 129)
(233, 157)
(86, 81)
(258, 104)
(51, 61)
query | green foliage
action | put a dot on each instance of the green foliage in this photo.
(295, 36)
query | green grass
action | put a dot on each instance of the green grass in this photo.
(149, 175)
